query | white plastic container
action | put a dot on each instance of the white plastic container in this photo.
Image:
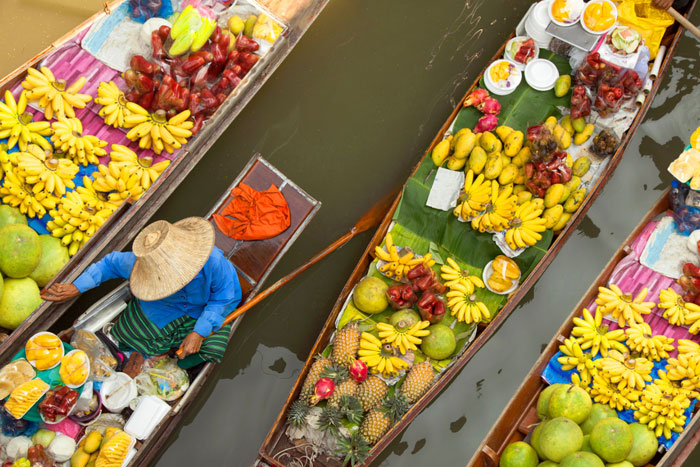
(510, 58)
(536, 24)
(599, 33)
(576, 9)
(514, 80)
(117, 391)
(541, 74)
(147, 415)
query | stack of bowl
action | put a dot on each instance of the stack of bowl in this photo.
(537, 22)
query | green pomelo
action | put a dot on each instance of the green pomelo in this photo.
(440, 343)
(570, 401)
(53, 257)
(559, 438)
(620, 464)
(598, 412)
(20, 250)
(543, 400)
(547, 464)
(10, 215)
(586, 446)
(404, 319)
(535, 439)
(644, 445)
(19, 299)
(370, 295)
(611, 439)
(518, 454)
(581, 459)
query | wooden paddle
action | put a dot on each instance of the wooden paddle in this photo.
(370, 219)
(684, 22)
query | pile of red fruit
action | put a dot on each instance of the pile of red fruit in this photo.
(580, 102)
(487, 105)
(608, 82)
(36, 457)
(199, 82)
(423, 281)
(690, 282)
(57, 403)
(548, 164)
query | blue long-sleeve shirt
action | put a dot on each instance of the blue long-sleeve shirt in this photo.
(209, 297)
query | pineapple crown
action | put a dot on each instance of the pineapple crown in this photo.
(330, 420)
(395, 406)
(297, 413)
(337, 373)
(351, 408)
(354, 449)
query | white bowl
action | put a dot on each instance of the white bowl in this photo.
(599, 33)
(510, 58)
(75, 386)
(33, 362)
(515, 79)
(577, 5)
(541, 74)
(117, 392)
(488, 270)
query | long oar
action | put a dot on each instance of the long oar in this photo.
(684, 22)
(370, 219)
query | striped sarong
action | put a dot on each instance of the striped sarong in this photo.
(134, 330)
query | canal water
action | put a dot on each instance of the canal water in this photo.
(346, 116)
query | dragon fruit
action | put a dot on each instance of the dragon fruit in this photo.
(322, 390)
(486, 123)
(476, 97)
(358, 371)
(489, 106)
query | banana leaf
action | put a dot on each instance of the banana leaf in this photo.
(525, 106)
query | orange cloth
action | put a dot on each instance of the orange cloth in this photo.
(255, 215)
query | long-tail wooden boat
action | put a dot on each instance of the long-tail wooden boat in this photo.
(254, 261)
(277, 443)
(519, 417)
(131, 216)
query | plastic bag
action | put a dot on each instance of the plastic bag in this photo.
(687, 217)
(163, 379)
(102, 362)
(143, 10)
(650, 22)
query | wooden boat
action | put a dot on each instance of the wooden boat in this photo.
(277, 442)
(519, 417)
(254, 261)
(122, 226)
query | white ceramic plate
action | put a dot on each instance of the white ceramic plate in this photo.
(488, 270)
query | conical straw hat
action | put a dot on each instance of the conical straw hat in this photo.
(169, 256)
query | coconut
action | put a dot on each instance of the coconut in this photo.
(53, 257)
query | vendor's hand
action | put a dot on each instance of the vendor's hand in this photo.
(60, 293)
(191, 345)
(662, 4)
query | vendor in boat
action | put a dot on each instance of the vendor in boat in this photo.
(183, 288)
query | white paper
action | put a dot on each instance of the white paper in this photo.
(667, 251)
(445, 190)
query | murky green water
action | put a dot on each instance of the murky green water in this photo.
(346, 116)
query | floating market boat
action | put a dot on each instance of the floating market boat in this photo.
(254, 261)
(306, 431)
(626, 268)
(99, 49)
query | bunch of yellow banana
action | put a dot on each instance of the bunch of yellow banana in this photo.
(54, 96)
(74, 222)
(625, 309)
(575, 358)
(525, 227)
(380, 358)
(452, 274)
(113, 103)
(591, 334)
(477, 194)
(641, 340)
(127, 173)
(662, 379)
(397, 264)
(465, 307)
(500, 210)
(109, 180)
(621, 369)
(16, 124)
(45, 172)
(82, 149)
(662, 410)
(604, 392)
(403, 338)
(17, 193)
(685, 346)
(678, 311)
(93, 198)
(8, 160)
(685, 370)
(154, 131)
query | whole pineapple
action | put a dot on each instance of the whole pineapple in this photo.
(345, 388)
(346, 344)
(307, 389)
(418, 381)
(371, 392)
(379, 420)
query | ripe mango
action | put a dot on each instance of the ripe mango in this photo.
(494, 166)
(249, 25)
(565, 195)
(440, 152)
(80, 458)
(92, 442)
(538, 203)
(563, 220)
(581, 166)
(454, 163)
(513, 143)
(517, 189)
(552, 215)
(523, 157)
(456, 136)
(499, 284)
(562, 138)
(579, 124)
(521, 177)
(574, 202)
(586, 133)
(569, 160)
(574, 183)
(524, 196)
(505, 266)
(477, 160)
(553, 195)
(464, 145)
(550, 123)
(489, 142)
(562, 85)
(508, 174)
(568, 126)
(503, 132)
(505, 160)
